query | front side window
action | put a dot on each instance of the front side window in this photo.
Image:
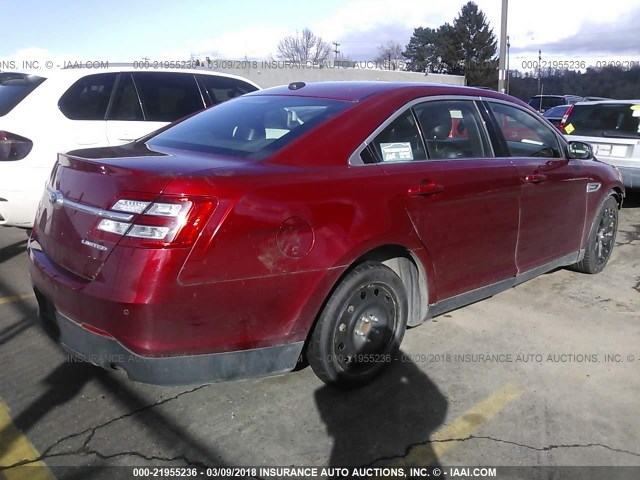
(526, 135)
(88, 98)
(249, 127)
(168, 96)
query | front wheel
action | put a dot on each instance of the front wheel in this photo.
(360, 328)
(602, 237)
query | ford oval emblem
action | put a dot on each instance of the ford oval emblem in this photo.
(56, 198)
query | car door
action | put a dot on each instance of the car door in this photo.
(553, 188)
(462, 201)
(146, 101)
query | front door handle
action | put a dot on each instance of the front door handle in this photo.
(535, 178)
(427, 188)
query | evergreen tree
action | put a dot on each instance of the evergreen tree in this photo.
(478, 46)
(468, 47)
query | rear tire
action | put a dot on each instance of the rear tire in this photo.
(360, 328)
(602, 237)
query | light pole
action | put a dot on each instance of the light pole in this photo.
(503, 44)
(508, 71)
(539, 72)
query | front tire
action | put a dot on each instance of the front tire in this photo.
(360, 328)
(602, 237)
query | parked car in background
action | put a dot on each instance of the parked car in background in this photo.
(556, 114)
(542, 103)
(47, 112)
(613, 129)
(316, 219)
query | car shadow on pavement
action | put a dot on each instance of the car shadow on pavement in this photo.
(13, 250)
(382, 423)
(9, 333)
(632, 199)
(6, 290)
(177, 446)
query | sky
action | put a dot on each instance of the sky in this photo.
(125, 31)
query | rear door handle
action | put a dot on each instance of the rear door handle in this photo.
(535, 178)
(427, 188)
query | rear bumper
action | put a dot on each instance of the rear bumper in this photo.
(108, 353)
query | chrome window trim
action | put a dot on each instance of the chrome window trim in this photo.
(355, 160)
(98, 212)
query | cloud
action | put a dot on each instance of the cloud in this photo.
(254, 42)
(593, 38)
(362, 26)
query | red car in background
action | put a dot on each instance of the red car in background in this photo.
(316, 219)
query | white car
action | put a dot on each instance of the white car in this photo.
(43, 113)
(612, 127)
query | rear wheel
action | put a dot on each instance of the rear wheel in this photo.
(602, 237)
(360, 328)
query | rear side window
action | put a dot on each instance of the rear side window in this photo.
(249, 127)
(221, 89)
(126, 104)
(168, 96)
(88, 98)
(14, 87)
(452, 129)
(398, 142)
(615, 120)
(526, 134)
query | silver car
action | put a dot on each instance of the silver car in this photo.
(612, 127)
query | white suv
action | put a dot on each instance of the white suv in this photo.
(41, 115)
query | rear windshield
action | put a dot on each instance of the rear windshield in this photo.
(249, 127)
(544, 103)
(604, 120)
(14, 87)
(556, 112)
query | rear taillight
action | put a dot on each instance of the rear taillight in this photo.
(164, 222)
(563, 122)
(13, 147)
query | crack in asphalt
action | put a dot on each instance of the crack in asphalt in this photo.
(498, 440)
(84, 450)
(91, 431)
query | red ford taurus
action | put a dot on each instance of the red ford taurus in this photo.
(318, 219)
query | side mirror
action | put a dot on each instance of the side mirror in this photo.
(580, 150)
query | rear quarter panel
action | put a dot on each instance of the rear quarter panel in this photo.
(297, 228)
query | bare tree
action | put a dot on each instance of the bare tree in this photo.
(304, 48)
(390, 55)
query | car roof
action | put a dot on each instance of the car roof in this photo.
(76, 73)
(354, 91)
(556, 96)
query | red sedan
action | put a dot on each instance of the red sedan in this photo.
(310, 221)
